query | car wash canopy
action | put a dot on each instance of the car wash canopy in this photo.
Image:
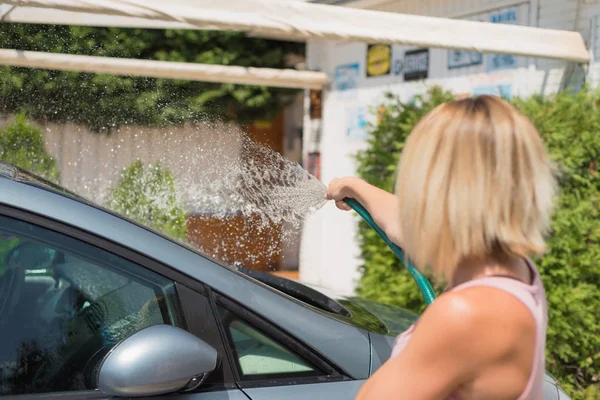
(274, 19)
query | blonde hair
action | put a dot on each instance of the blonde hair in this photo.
(474, 181)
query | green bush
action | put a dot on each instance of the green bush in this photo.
(22, 144)
(570, 127)
(147, 195)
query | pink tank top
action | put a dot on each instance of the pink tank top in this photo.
(534, 298)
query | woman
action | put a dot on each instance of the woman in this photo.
(474, 194)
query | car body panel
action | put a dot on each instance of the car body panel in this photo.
(381, 349)
(235, 394)
(223, 395)
(329, 390)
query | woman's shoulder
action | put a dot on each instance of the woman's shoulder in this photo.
(480, 319)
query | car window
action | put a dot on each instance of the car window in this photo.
(64, 304)
(259, 356)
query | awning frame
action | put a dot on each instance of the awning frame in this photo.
(284, 78)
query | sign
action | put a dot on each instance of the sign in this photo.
(416, 64)
(501, 61)
(398, 66)
(504, 91)
(462, 58)
(379, 59)
(346, 76)
(504, 17)
(356, 125)
(497, 62)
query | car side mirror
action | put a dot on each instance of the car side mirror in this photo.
(157, 360)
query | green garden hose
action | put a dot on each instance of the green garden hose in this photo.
(421, 281)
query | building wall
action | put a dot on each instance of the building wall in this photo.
(593, 77)
(443, 8)
(552, 14)
(329, 252)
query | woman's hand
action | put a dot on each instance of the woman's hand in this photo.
(382, 205)
(341, 188)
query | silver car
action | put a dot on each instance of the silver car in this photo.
(94, 306)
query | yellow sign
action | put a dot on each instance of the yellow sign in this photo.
(379, 59)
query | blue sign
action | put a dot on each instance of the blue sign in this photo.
(346, 76)
(357, 123)
(504, 17)
(462, 58)
(398, 66)
(501, 61)
(504, 91)
(496, 62)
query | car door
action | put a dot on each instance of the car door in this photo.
(67, 298)
(269, 363)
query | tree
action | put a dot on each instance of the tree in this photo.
(148, 196)
(22, 144)
(107, 101)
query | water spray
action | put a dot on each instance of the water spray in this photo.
(237, 177)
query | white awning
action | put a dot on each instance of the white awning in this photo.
(287, 78)
(295, 20)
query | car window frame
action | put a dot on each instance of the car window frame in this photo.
(331, 373)
(188, 292)
(191, 299)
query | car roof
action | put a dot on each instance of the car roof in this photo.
(22, 190)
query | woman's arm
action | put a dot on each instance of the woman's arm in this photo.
(462, 336)
(382, 205)
(432, 365)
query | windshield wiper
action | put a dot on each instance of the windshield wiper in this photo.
(298, 291)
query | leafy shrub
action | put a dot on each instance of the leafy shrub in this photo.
(22, 144)
(570, 127)
(147, 195)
